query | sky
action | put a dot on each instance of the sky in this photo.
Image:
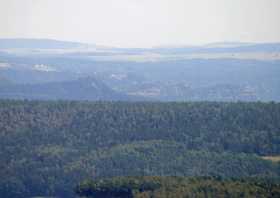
(142, 23)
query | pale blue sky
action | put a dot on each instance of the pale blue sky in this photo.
(142, 23)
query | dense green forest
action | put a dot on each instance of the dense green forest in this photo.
(179, 187)
(47, 148)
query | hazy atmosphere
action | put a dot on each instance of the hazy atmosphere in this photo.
(139, 98)
(142, 23)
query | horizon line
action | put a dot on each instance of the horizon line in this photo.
(156, 46)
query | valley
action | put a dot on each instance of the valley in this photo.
(214, 78)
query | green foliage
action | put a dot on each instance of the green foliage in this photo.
(171, 158)
(117, 187)
(234, 127)
(179, 187)
(46, 148)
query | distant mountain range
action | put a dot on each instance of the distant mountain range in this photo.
(39, 44)
(51, 69)
(80, 89)
(21, 43)
(224, 48)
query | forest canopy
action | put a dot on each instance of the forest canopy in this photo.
(47, 148)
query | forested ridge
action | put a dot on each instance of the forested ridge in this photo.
(47, 148)
(179, 187)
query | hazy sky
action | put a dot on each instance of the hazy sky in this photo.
(142, 23)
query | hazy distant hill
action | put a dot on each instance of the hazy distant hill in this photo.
(38, 44)
(81, 89)
(215, 72)
(222, 47)
(4, 81)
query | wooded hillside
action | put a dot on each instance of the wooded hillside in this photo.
(47, 148)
